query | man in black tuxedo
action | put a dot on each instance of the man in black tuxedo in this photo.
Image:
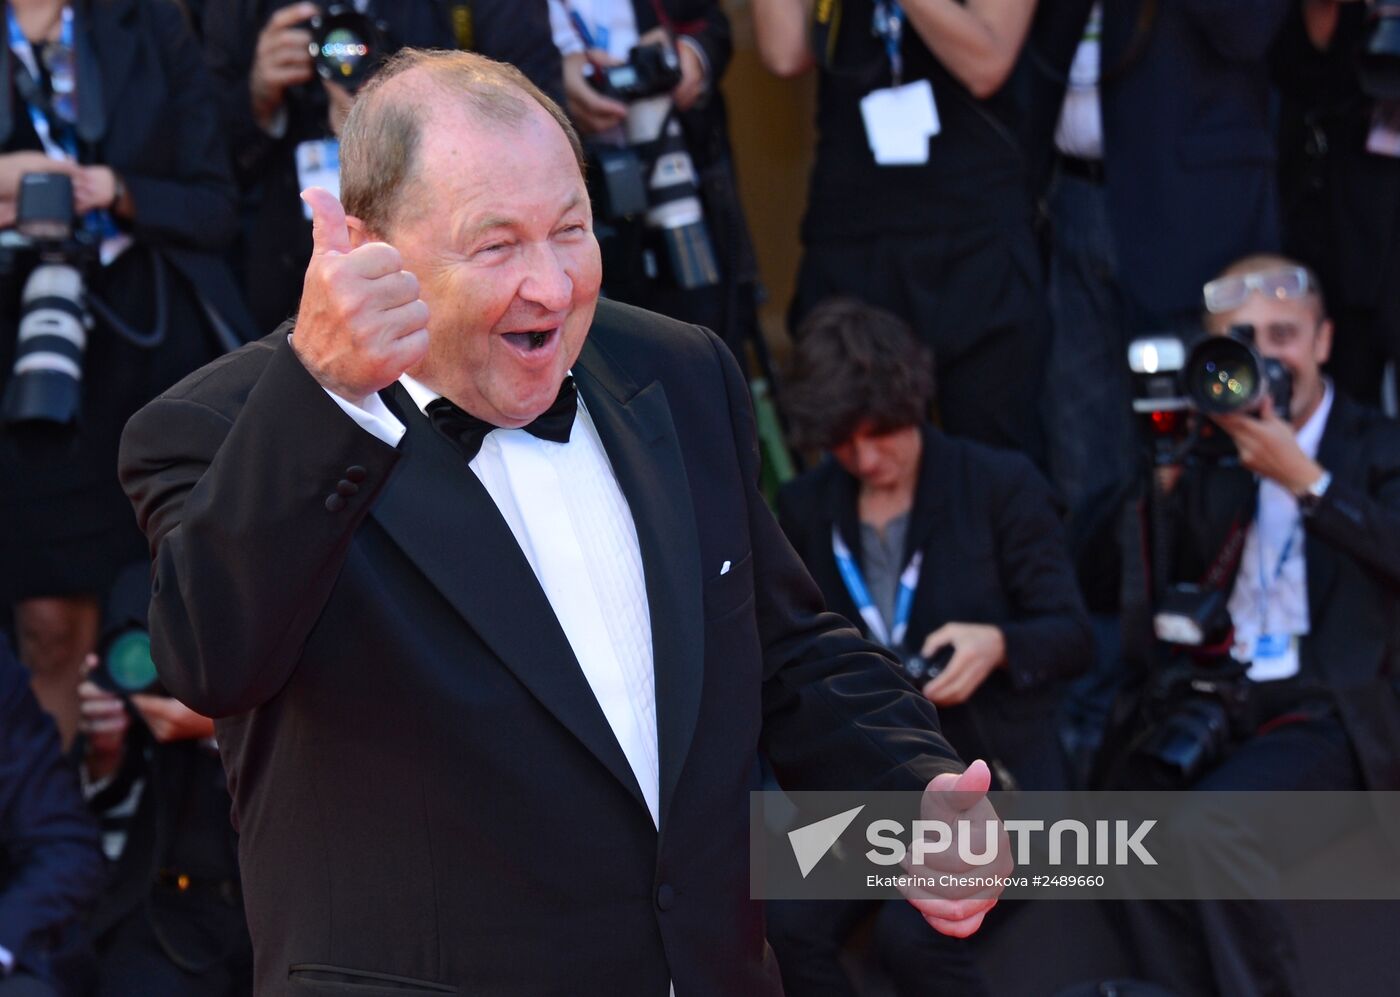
(491, 701)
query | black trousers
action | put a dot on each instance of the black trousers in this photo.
(975, 298)
(1243, 948)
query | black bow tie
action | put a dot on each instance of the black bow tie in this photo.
(466, 432)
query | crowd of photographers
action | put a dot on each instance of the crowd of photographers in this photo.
(1089, 342)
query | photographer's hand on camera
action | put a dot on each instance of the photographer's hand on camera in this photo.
(692, 85)
(171, 720)
(361, 322)
(591, 111)
(1268, 446)
(979, 650)
(283, 60)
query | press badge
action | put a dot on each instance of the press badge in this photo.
(1384, 137)
(1274, 656)
(899, 121)
(318, 165)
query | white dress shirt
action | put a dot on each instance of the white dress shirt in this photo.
(572, 522)
(1269, 597)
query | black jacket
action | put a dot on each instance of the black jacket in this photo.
(51, 866)
(994, 552)
(277, 236)
(1188, 148)
(1352, 550)
(424, 783)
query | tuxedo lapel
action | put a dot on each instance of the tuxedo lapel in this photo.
(641, 442)
(444, 520)
(111, 23)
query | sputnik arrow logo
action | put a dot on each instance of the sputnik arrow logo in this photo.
(812, 842)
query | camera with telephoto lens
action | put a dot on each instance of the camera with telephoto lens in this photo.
(347, 45)
(1213, 375)
(54, 321)
(653, 174)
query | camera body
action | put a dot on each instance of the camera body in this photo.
(46, 382)
(1174, 381)
(920, 670)
(653, 174)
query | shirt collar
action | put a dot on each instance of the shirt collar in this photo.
(423, 396)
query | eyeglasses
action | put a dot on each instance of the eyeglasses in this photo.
(1281, 283)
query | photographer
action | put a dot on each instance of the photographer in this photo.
(919, 199)
(50, 862)
(111, 97)
(593, 35)
(1302, 535)
(277, 105)
(929, 544)
(170, 920)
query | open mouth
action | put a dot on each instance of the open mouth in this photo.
(531, 341)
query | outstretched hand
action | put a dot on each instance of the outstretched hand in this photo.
(957, 910)
(361, 323)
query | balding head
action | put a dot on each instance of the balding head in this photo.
(414, 91)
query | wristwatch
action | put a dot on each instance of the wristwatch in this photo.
(1308, 501)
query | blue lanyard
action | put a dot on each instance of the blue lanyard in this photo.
(65, 146)
(67, 141)
(860, 592)
(889, 25)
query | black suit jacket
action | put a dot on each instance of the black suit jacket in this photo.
(424, 783)
(1352, 548)
(1188, 149)
(51, 867)
(994, 552)
(277, 235)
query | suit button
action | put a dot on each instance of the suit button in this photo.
(356, 473)
(334, 503)
(346, 488)
(665, 896)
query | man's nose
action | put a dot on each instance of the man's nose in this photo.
(867, 458)
(547, 283)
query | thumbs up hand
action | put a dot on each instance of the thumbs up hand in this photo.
(361, 323)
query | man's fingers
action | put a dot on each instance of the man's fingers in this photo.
(384, 291)
(407, 350)
(406, 319)
(376, 261)
(329, 233)
(288, 16)
(936, 640)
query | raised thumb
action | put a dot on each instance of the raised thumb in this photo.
(329, 233)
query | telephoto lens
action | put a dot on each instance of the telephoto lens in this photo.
(1225, 374)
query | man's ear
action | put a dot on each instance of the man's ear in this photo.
(359, 233)
(1322, 345)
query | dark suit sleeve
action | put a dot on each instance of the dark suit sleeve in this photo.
(1048, 636)
(196, 206)
(1240, 30)
(246, 541)
(714, 35)
(1364, 520)
(51, 868)
(517, 32)
(835, 713)
(231, 29)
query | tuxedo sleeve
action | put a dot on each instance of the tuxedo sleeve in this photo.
(835, 713)
(249, 510)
